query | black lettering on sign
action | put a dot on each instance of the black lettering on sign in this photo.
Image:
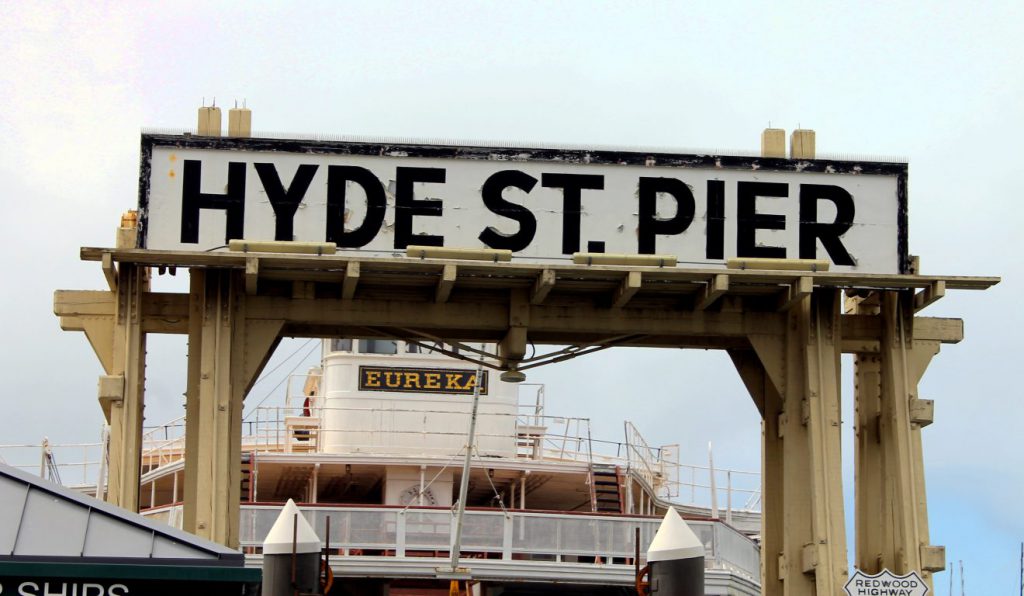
(407, 206)
(715, 241)
(650, 226)
(285, 202)
(338, 178)
(572, 186)
(829, 233)
(493, 200)
(193, 199)
(420, 380)
(750, 221)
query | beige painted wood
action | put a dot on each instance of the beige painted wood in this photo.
(873, 526)
(227, 351)
(715, 289)
(446, 283)
(401, 269)
(801, 144)
(803, 520)
(196, 306)
(628, 288)
(126, 414)
(348, 287)
(788, 360)
(891, 500)
(543, 286)
(773, 142)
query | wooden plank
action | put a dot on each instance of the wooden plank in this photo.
(348, 286)
(714, 290)
(627, 289)
(858, 328)
(446, 283)
(109, 271)
(929, 295)
(543, 286)
(252, 273)
(795, 292)
(528, 271)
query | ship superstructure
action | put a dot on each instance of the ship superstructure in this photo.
(371, 443)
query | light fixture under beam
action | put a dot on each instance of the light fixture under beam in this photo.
(512, 376)
(601, 258)
(466, 254)
(279, 246)
(778, 264)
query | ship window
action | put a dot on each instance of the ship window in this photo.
(341, 345)
(412, 348)
(378, 346)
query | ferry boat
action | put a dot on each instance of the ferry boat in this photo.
(371, 445)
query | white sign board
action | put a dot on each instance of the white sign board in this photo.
(885, 583)
(197, 193)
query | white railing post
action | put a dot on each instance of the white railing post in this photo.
(506, 537)
(728, 497)
(400, 534)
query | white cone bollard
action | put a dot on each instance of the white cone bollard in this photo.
(291, 528)
(676, 558)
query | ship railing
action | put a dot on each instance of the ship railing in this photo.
(516, 535)
(71, 464)
(728, 490)
(659, 467)
(564, 439)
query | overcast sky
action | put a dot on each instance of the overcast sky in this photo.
(936, 83)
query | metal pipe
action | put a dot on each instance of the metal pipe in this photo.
(464, 485)
(714, 490)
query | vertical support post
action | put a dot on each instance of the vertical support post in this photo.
(795, 383)
(196, 305)
(822, 364)
(773, 522)
(226, 353)
(218, 410)
(897, 536)
(126, 414)
(873, 521)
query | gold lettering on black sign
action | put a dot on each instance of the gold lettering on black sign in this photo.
(420, 380)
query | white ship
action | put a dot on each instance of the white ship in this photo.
(372, 442)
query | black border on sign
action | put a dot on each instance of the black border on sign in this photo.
(483, 387)
(516, 154)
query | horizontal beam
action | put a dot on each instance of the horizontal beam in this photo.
(168, 313)
(162, 312)
(529, 272)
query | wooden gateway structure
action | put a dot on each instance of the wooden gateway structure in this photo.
(785, 327)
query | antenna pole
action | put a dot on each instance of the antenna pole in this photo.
(464, 485)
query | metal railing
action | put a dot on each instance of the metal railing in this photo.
(72, 464)
(554, 438)
(515, 535)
